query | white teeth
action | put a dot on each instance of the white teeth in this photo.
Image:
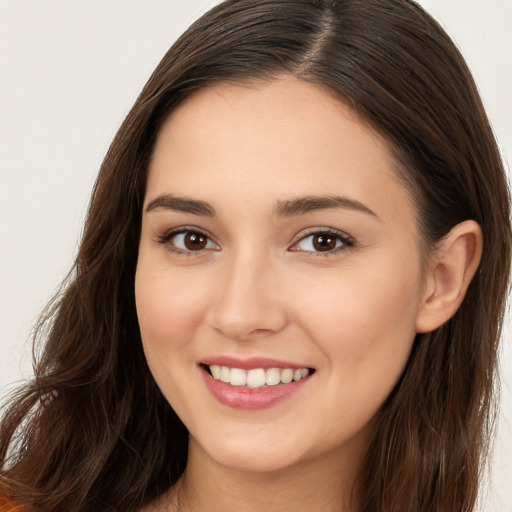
(287, 375)
(225, 373)
(238, 377)
(257, 377)
(215, 371)
(273, 376)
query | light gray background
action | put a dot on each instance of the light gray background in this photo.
(69, 72)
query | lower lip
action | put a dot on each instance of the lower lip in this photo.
(243, 398)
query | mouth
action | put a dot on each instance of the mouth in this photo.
(256, 378)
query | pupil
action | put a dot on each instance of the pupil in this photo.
(195, 241)
(324, 243)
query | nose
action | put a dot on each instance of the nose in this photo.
(250, 301)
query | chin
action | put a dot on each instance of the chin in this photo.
(249, 455)
(256, 462)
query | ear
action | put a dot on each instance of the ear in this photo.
(451, 268)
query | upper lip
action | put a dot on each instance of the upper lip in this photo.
(250, 363)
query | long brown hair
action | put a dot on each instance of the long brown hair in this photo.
(92, 431)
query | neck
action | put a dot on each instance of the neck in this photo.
(326, 483)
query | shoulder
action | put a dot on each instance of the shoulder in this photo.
(9, 505)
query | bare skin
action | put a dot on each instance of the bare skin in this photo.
(335, 286)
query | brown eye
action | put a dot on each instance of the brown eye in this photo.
(324, 242)
(188, 241)
(195, 241)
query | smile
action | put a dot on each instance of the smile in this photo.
(255, 383)
(256, 377)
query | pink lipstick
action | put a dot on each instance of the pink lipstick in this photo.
(254, 383)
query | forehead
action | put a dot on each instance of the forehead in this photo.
(271, 140)
(282, 110)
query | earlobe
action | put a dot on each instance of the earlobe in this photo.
(451, 269)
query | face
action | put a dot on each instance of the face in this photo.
(279, 279)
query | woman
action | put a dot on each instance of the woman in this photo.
(291, 281)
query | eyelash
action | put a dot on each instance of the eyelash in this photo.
(345, 241)
(169, 235)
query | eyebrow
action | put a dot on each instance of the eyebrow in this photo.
(288, 208)
(181, 204)
(308, 204)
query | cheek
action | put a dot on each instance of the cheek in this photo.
(365, 330)
(363, 319)
(168, 306)
(168, 313)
